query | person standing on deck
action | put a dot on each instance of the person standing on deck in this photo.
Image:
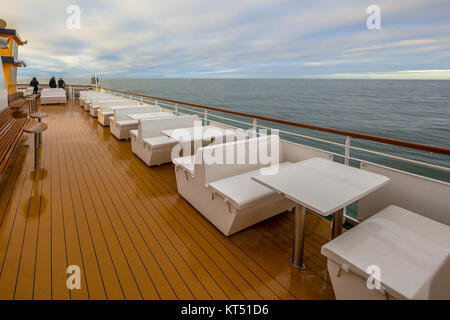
(61, 83)
(35, 84)
(52, 83)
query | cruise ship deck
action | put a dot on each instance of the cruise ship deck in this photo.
(96, 205)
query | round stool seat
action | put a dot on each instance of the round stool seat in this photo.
(35, 127)
(39, 115)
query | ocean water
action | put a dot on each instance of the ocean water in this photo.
(411, 110)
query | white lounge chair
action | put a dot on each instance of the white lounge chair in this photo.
(395, 254)
(85, 95)
(225, 193)
(121, 124)
(53, 96)
(150, 145)
(106, 112)
(92, 100)
(95, 107)
(104, 115)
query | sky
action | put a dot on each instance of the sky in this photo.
(233, 38)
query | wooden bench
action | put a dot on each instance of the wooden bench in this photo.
(15, 101)
(11, 130)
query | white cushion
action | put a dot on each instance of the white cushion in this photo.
(160, 142)
(242, 191)
(53, 92)
(126, 123)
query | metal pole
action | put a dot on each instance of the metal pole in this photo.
(255, 128)
(336, 223)
(299, 237)
(206, 117)
(40, 133)
(176, 109)
(346, 162)
(36, 151)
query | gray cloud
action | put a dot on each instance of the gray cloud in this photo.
(246, 38)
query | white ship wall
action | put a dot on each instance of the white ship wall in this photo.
(3, 91)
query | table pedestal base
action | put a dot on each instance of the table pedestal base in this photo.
(299, 233)
(299, 237)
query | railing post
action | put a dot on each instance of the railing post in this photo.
(205, 117)
(255, 128)
(346, 162)
(347, 151)
(142, 100)
(176, 109)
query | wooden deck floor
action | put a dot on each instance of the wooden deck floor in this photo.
(95, 205)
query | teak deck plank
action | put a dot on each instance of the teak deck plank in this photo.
(109, 196)
(93, 281)
(166, 290)
(88, 219)
(96, 205)
(58, 234)
(43, 265)
(13, 229)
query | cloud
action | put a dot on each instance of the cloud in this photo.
(236, 38)
(403, 74)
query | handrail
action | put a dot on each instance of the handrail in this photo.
(396, 142)
(46, 85)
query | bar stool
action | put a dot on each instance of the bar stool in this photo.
(31, 103)
(37, 128)
(39, 116)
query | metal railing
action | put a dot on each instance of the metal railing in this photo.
(177, 106)
(347, 147)
(254, 121)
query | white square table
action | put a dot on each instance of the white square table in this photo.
(323, 186)
(140, 116)
(189, 133)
